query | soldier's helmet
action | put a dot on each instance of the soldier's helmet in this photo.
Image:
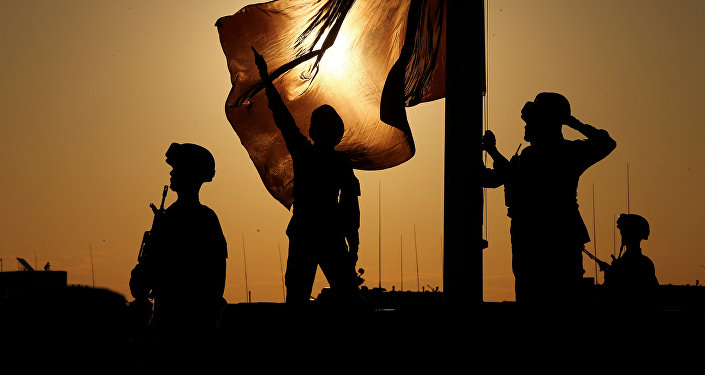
(634, 224)
(547, 107)
(192, 158)
(327, 127)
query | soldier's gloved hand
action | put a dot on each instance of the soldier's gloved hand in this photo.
(489, 142)
(261, 64)
(572, 122)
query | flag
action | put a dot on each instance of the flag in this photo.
(369, 59)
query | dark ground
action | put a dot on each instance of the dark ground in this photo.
(80, 328)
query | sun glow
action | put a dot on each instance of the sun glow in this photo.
(336, 59)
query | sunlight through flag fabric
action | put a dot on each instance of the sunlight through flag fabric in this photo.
(369, 59)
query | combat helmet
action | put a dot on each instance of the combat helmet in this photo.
(193, 158)
(635, 224)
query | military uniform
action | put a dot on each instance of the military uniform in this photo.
(183, 266)
(547, 231)
(189, 267)
(323, 230)
(631, 278)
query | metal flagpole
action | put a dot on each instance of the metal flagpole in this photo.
(463, 200)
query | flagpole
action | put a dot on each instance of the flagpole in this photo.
(463, 200)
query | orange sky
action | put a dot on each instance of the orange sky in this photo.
(94, 93)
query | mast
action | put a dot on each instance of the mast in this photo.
(401, 261)
(244, 258)
(90, 249)
(379, 229)
(594, 231)
(628, 208)
(614, 234)
(463, 200)
(281, 271)
(418, 281)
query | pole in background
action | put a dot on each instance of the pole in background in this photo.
(281, 271)
(401, 261)
(418, 280)
(244, 258)
(90, 249)
(380, 234)
(628, 198)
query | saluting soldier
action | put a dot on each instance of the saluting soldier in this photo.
(547, 232)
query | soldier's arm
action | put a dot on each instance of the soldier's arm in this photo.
(490, 178)
(282, 117)
(598, 144)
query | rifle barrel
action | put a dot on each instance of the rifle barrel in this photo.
(166, 189)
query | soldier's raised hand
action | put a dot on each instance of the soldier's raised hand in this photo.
(261, 64)
(572, 122)
(489, 142)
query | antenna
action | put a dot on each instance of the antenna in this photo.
(244, 258)
(90, 249)
(417, 261)
(281, 271)
(380, 234)
(594, 231)
(628, 208)
(401, 261)
(443, 264)
(614, 234)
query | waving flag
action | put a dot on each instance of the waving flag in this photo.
(369, 59)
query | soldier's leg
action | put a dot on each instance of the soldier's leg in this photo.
(338, 269)
(300, 271)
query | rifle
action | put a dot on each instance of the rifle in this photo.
(603, 265)
(146, 238)
(140, 287)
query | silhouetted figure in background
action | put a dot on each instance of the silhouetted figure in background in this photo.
(325, 209)
(547, 231)
(185, 263)
(631, 278)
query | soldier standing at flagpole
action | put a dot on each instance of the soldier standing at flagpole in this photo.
(547, 232)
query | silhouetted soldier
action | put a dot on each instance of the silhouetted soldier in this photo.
(325, 209)
(547, 231)
(185, 262)
(631, 278)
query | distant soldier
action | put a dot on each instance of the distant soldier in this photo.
(326, 215)
(540, 183)
(631, 278)
(184, 265)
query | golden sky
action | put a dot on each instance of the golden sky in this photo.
(93, 93)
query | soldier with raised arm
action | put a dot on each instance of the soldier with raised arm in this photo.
(547, 232)
(323, 229)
